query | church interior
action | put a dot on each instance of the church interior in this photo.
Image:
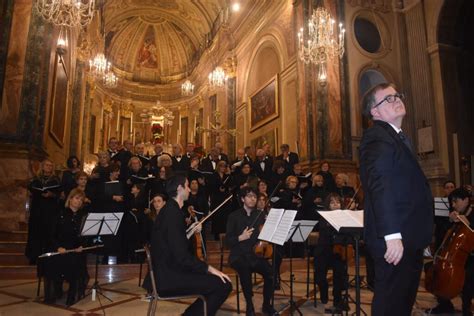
(228, 74)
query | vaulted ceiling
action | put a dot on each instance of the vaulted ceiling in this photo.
(158, 41)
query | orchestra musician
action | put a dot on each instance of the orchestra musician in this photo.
(71, 266)
(241, 237)
(325, 257)
(177, 270)
(459, 199)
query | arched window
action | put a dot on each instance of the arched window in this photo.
(368, 79)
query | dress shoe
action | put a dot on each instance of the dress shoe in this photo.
(441, 309)
(269, 310)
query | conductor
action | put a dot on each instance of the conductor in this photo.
(398, 212)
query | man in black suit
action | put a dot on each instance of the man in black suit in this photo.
(181, 163)
(177, 270)
(222, 156)
(290, 158)
(398, 212)
(263, 165)
(209, 163)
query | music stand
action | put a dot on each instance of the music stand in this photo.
(276, 230)
(100, 224)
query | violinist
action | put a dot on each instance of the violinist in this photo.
(325, 257)
(177, 270)
(459, 199)
(241, 237)
(195, 208)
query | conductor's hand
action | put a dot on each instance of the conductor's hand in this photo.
(62, 250)
(246, 234)
(394, 252)
(224, 277)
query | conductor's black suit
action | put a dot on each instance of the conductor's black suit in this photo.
(177, 270)
(398, 200)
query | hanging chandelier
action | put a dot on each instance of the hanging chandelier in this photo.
(217, 78)
(110, 80)
(323, 43)
(99, 66)
(187, 88)
(70, 13)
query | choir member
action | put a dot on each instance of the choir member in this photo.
(140, 153)
(82, 183)
(329, 183)
(68, 180)
(124, 156)
(219, 190)
(209, 163)
(222, 156)
(345, 191)
(263, 165)
(190, 150)
(262, 188)
(278, 176)
(101, 172)
(113, 149)
(290, 158)
(181, 163)
(313, 199)
(158, 184)
(44, 189)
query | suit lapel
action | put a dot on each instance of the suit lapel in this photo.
(389, 129)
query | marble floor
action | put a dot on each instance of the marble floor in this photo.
(18, 297)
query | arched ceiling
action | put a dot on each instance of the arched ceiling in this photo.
(158, 41)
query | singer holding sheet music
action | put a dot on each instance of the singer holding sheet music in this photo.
(398, 212)
(241, 237)
(177, 270)
(44, 190)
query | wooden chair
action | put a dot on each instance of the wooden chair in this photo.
(155, 297)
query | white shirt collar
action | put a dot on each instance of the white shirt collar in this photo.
(397, 130)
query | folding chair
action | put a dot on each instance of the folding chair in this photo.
(155, 297)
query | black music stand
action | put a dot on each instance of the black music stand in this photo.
(356, 234)
(100, 224)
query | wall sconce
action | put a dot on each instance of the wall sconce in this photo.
(322, 75)
(62, 43)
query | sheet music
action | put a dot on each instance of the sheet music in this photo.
(343, 218)
(271, 223)
(306, 227)
(279, 237)
(441, 206)
(110, 226)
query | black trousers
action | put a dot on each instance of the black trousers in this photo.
(322, 262)
(245, 267)
(396, 286)
(214, 290)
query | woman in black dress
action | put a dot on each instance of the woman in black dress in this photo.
(71, 266)
(44, 190)
(219, 189)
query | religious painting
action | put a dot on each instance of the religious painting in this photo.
(264, 104)
(148, 53)
(269, 137)
(59, 95)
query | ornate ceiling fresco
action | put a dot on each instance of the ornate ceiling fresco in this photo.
(158, 41)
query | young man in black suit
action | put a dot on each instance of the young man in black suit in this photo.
(177, 270)
(181, 163)
(398, 212)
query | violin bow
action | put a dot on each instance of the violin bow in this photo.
(192, 229)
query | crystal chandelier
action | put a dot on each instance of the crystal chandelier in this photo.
(323, 43)
(110, 80)
(70, 13)
(217, 78)
(187, 88)
(99, 66)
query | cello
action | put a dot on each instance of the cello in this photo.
(445, 276)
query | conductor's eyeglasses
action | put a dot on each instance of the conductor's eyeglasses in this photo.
(391, 98)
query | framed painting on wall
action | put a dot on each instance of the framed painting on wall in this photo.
(59, 96)
(269, 137)
(263, 104)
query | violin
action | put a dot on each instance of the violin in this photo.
(263, 249)
(198, 242)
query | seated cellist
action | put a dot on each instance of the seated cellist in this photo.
(459, 199)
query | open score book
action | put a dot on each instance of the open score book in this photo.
(343, 218)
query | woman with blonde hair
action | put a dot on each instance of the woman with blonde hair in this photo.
(44, 191)
(72, 265)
